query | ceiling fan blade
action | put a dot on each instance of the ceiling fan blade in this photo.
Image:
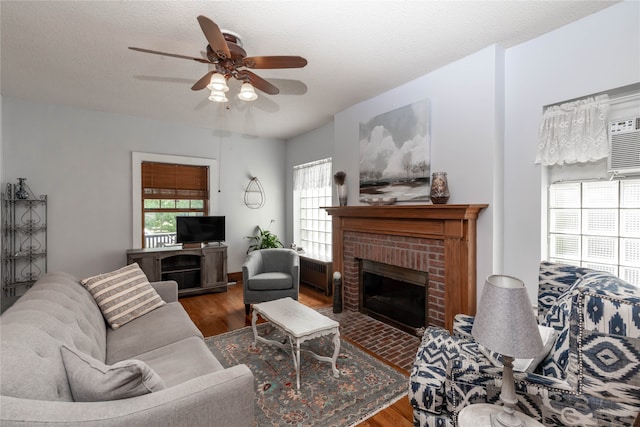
(161, 79)
(203, 82)
(260, 83)
(274, 62)
(173, 55)
(289, 87)
(214, 37)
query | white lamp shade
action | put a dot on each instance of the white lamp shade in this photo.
(505, 322)
(217, 96)
(247, 92)
(218, 83)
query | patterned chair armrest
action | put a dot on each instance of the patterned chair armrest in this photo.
(462, 325)
(463, 384)
(478, 370)
(428, 374)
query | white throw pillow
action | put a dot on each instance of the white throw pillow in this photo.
(92, 381)
(123, 295)
(548, 336)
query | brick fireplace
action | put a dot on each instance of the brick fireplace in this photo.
(437, 239)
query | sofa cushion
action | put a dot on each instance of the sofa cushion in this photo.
(93, 381)
(270, 281)
(165, 325)
(123, 295)
(555, 364)
(181, 361)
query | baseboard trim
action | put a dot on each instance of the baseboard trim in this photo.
(235, 276)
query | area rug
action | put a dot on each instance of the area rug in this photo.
(365, 385)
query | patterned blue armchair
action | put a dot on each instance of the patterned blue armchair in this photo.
(591, 376)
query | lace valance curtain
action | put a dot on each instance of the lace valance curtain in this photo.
(574, 132)
(312, 175)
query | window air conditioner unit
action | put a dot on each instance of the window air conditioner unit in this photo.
(624, 157)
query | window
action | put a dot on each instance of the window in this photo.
(312, 225)
(170, 190)
(596, 224)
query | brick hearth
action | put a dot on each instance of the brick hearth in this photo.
(438, 239)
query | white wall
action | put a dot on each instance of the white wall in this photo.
(465, 136)
(82, 160)
(311, 146)
(485, 111)
(597, 53)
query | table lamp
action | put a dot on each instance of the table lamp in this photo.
(505, 323)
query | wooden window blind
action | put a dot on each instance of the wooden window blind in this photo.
(172, 181)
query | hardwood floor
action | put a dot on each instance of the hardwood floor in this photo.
(222, 312)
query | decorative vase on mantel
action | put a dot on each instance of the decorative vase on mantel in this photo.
(439, 188)
(341, 187)
(342, 194)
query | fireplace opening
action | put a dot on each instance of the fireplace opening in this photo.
(395, 295)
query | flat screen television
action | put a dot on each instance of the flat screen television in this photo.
(200, 229)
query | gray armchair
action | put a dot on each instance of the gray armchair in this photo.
(270, 274)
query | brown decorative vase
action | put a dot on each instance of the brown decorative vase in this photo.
(439, 188)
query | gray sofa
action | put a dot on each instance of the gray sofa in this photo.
(58, 311)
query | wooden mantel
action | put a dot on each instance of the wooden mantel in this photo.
(453, 224)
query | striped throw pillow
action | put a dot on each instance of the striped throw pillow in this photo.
(123, 295)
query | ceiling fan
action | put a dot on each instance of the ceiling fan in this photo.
(229, 59)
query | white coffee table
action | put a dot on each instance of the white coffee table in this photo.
(299, 323)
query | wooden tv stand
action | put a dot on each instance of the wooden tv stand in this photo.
(196, 269)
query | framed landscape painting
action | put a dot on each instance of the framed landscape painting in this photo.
(395, 157)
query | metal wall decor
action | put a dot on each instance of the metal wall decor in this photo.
(24, 237)
(254, 197)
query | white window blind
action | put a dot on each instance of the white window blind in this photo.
(597, 225)
(312, 225)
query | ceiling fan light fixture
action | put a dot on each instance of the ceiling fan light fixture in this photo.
(218, 96)
(218, 83)
(247, 92)
(227, 58)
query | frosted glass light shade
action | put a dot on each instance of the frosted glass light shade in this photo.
(218, 83)
(217, 96)
(247, 92)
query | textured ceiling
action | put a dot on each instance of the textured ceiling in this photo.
(75, 53)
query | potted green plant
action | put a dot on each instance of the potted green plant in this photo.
(263, 239)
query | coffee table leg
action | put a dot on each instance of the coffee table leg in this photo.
(254, 320)
(295, 352)
(336, 351)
